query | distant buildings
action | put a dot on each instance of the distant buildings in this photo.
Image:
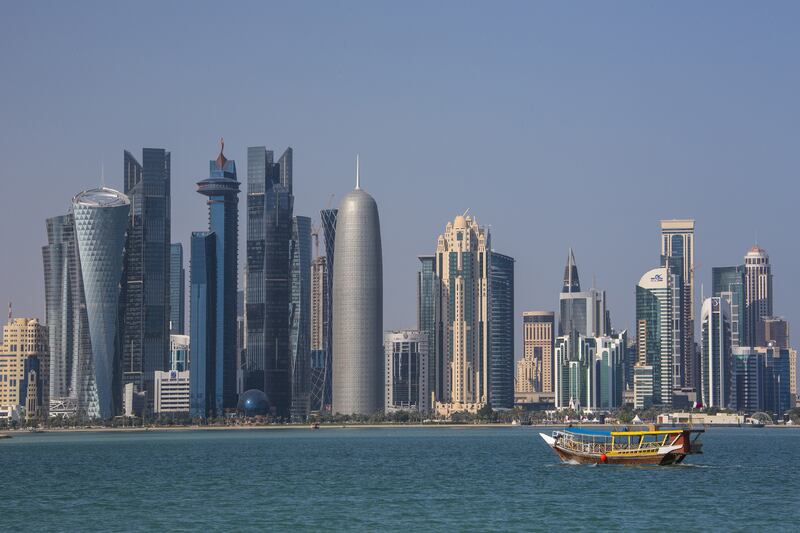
(172, 392)
(406, 370)
(716, 355)
(774, 329)
(677, 253)
(358, 366)
(145, 287)
(101, 219)
(270, 206)
(24, 368)
(657, 337)
(589, 372)
(760, 380)
(319, 371)
(463, 313)
(582, 312)
(501, 331)
(215, 256)
(535, 369)
(177, 290)
(757, 293)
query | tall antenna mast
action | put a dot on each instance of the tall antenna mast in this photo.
(358, 174)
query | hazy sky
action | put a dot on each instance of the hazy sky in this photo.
(559, 124)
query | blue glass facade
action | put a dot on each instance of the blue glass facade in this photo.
(328, 218)
(426, 312)
(299, 317)
(205, 398)
(145, 305)
(222, 190)
(501, 331)
(268, 366)
(728, 283)
(177, 288)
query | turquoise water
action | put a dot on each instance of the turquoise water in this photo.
(441, 479)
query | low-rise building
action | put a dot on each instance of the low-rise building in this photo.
(172, 391)
(406, 371)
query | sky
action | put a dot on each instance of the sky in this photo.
(557, 124)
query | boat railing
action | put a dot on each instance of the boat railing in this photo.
(596, 444)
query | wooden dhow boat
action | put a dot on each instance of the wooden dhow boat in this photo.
(650, 446)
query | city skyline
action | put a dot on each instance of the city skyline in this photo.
(580, 105)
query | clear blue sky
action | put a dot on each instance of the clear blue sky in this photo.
(559, 124)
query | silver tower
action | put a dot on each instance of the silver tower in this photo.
(101, 219)
(358, 367)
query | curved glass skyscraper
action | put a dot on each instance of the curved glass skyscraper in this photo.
(358, 366)
(101, 218)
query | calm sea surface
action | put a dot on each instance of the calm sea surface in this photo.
(438, 479)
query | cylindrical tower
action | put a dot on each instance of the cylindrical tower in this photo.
(101, 220)
(358, 368)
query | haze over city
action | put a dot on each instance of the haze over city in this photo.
(556, 125)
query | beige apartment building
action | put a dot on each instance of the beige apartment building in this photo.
(535, 369)
(25, 366)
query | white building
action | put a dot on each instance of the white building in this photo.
(406, 371)
(179, 352)
(172, 392)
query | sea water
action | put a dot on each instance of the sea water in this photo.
(391, 479)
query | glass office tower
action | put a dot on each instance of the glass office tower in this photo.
(101, 219)
(728, 283)
(177, 289)
(299, 317)
(267, 300)
(501, 331)
(206, 400)
(146, 276)
(328, 218)
(426, 313)
(222, 190)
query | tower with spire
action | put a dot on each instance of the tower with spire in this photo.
(585, 312)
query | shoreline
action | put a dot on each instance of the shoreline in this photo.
(4, 434)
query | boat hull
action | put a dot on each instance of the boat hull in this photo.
(669, 458)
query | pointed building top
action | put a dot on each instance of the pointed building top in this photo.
(221, 157)
(358, 174)
(571, 281)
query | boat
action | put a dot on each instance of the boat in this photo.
(651, 446)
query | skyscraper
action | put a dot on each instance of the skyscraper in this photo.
(24, 366)
(177, 289)
(267, 302)
(145, 289)
(657, 332)
(319, 371)
(728, 283)
(427, 292)
(328, 218)
(581, 312)
(101, 219)
(406, 371)
(299, 317)
(222, 190)
(677, 251)
(716, 355)
(462, 340)
(501, 331)
(757, 293)
(538, 335)
(206, 393)
(65, 311)
(589, 371)
(358, 367)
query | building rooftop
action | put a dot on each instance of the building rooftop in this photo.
(101, 197)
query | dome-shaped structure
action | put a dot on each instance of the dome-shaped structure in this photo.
(253, 402)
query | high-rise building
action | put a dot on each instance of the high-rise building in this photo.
(145, 288)
(65, 313)
(299, 317)
(269, 281)
(328, 218)
(716, 355)
(747, 379)
(538, 335)
(776, 390)
(177, 289)
(757, 293)
(427, 318)
(319, 370)
(206, 399)
(101, 220)
(582, 312)
(179, 352)
(793, 372)
(589, 372)
(677, 252)
(24, 367)
(222, 190)
(463, 269)
(728, 283)
(406, 371)
(657, 325)
(358, 368)
(501, 331)
(774, 329)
